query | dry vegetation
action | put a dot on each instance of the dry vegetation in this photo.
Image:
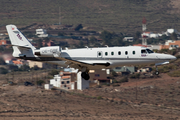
(147, 99)
(113, 15)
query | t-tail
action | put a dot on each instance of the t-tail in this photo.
(22, 48)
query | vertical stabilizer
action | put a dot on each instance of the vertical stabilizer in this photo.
(17, 38)
(21, 45)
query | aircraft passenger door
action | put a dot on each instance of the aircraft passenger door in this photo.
(99, 54)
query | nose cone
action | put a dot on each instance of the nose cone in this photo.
(173, 57)
(166, 57)
(170, 57)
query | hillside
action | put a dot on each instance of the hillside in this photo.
(112, 15)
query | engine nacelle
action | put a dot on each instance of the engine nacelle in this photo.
(48, 51)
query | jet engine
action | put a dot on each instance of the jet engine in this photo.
(48, 51)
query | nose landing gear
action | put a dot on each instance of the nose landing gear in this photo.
(157, 72)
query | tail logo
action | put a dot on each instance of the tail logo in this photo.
(19, 37)
(12, 28)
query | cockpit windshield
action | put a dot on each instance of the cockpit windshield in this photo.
(149, 51)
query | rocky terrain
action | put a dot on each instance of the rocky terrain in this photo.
(138, 99)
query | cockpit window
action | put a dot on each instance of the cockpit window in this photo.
(149, 51)
(143, 51)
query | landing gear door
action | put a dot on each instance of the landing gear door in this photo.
(99, 54)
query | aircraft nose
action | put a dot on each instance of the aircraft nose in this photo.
(165, 56)
(171, 57)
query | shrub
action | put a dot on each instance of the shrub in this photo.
(99, 97)
(3, 70)
(53, 72)
(134, 76)
(40, 82)
(125, 79)
(53, 88)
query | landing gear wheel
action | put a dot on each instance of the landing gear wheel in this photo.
(157, 72)
(85, 75)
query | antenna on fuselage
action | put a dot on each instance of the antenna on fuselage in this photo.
(107, 46)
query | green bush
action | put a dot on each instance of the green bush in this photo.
(99, 97)
(40, 82)
(53, 72)
(3, 70)
(134, 76)
(125, 79)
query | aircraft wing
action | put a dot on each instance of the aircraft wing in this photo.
(79, 64)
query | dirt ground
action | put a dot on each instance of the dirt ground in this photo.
(138, 99)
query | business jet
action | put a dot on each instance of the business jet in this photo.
(84, 59)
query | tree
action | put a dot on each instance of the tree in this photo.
(39, 43)
(137, 35)
(60, 34)
(77, 28)
(13, 67)
(3, 70)
(81, 44)
(92, 40)
(2, 62)
(174, 36)
(106, 36)
(24, 68)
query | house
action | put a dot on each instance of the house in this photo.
(172, 31)
(35, 63)
(129, 39)
(41, 33)
(18, 63)
(50, 43)
(146, 69)
(69, 81)
(170, 44)
(151, 47)
(124, 69)
(99, 76)
(4, 42)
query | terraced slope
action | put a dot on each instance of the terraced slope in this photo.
(113, 15)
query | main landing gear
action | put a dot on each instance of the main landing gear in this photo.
(85, 75)
(157, 72)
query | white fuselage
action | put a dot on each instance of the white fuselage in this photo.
(116, 56)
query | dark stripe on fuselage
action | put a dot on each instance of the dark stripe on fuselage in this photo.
(83, 58)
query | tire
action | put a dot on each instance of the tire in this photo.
(85, 75)
(157, 72)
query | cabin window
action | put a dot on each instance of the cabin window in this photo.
(126, 52)
(143, 51)
(134, 52)
(62, 82)
(67, 82)
(106, 53)
(112, 53)
(119, 53)
(99, 53)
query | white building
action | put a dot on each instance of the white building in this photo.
(81, 83)
(41, 33)
(129, 39)
(172, 31)
(70, 81)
